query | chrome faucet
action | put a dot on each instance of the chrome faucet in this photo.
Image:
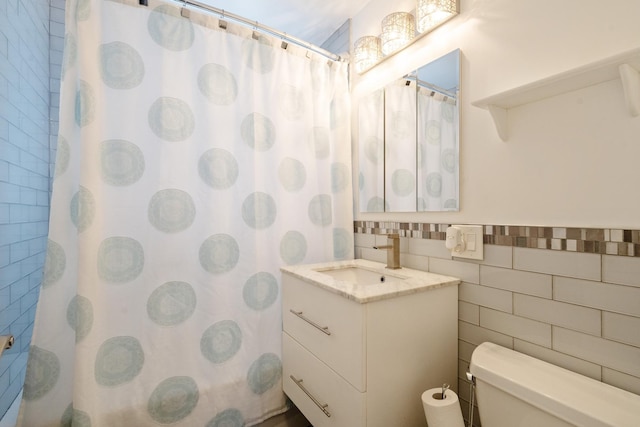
(393, 250)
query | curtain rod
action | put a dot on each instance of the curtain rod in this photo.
(256, 25)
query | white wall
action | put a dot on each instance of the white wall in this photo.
(571, 159)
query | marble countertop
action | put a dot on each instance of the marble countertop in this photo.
(399, 282)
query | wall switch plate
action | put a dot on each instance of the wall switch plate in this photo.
(465, 241)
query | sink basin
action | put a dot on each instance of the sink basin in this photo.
(360, 276)
(365, 281)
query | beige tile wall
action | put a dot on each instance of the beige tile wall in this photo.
(577, 310)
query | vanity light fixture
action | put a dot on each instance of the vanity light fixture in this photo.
(431, 13)
(367, 52)
(398, 29)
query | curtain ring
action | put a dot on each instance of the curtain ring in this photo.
(184, 12)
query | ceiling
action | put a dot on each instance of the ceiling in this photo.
(310, 20)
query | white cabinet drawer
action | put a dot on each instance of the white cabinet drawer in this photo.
(311, 385)
(328, 325)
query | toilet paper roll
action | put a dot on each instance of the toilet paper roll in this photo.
(442, 412)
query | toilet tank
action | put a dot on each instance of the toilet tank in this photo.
(513, 389)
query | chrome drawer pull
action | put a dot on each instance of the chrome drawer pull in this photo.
(322, 407)
(324, 329)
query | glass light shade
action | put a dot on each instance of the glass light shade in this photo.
(431, 13)
(366, 52)
(398, 29)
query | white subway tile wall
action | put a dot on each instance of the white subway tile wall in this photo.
(600, 295)
(576, 306)
(621, 328)
(614, 355)
(516, 326)
(620, 270)
(484, 296)
(580, 366)
(571, 264)
(570, 316)
(522, 282)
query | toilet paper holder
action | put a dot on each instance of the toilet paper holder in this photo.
(442, 395)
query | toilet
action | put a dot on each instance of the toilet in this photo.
(513, 389)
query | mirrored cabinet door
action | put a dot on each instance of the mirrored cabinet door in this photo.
(438, 85)
(400, 145)
(409, 141)
(371, 152)
(437, 140)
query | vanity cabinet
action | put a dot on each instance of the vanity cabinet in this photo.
(348, 363)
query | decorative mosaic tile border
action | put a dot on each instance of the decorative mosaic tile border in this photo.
(587, 240)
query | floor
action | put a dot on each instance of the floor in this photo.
(9, 419)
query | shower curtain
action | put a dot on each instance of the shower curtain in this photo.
(192, 162)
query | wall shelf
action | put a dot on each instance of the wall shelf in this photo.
(625, 66)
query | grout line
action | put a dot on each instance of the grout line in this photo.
(11, 416)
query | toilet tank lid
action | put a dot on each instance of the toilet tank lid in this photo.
(567, 395)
